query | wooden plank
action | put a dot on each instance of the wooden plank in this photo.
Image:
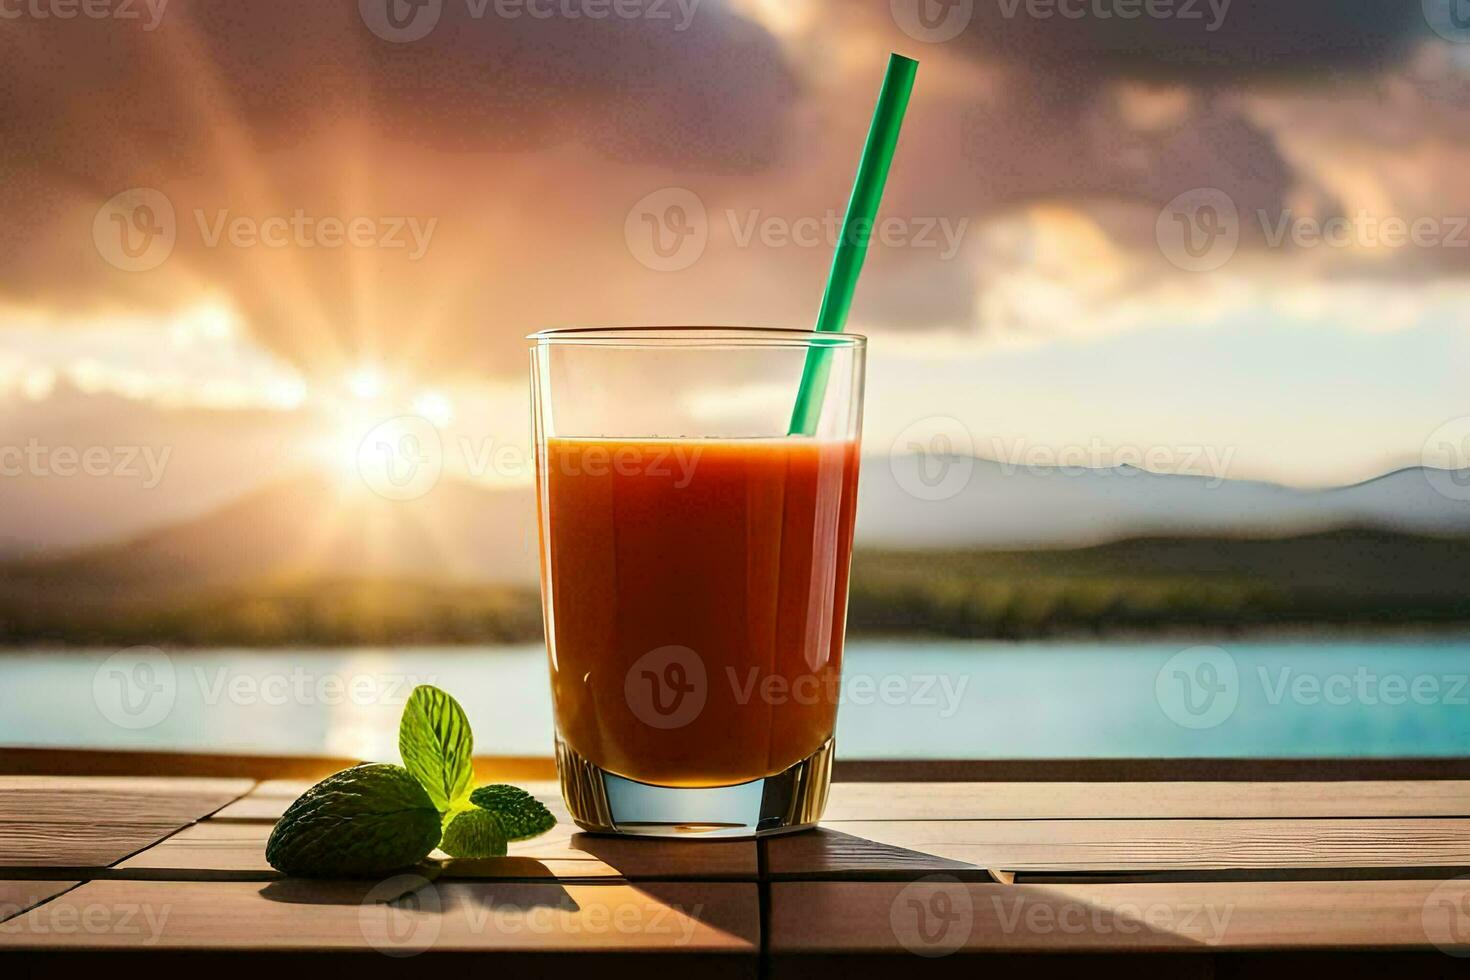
(225, 847)
(1028, 800)
(643, 858)
(281, 789)
(132, 762)
(1194, 963)
(302, 915)
(236, 849)
(937, 917)
(1025, 801)
(887, 847)
(114, 799)
(18, 896)
(267, 801)
(71, 845)
(79, 821)
(1119, 770)
(255, 809)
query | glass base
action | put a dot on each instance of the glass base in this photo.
(605, 803)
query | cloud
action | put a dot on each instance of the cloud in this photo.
(495, 129)
(504, 156)
(199, 358)
(1205, 42)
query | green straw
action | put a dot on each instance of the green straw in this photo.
(857, 228)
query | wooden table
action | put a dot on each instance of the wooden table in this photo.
(1199, 877)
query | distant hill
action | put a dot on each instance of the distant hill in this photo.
(307, 529)
(1351, 579)
(315, 527)
(312, 560)
(320, 527)
(307, 561)
(1000, 506)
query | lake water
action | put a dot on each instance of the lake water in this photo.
(900, 699)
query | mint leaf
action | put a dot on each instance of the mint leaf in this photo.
(473, 833)
(520, 813)
(435, 741)
(362, 821)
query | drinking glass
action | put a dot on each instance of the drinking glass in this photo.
(694, 570)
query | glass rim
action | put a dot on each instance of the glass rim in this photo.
(695, 336)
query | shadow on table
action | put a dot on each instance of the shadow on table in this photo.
(824, 853)
(638, 858)
(936, 906)
(423, 893)
(513, 866)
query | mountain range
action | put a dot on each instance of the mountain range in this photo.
(999, 506)
(961, 548)
(313, 527)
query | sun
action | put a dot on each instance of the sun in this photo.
(365, 384)
(368, 411)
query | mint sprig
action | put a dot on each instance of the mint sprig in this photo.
(474, 833)
(377, 818)
(362, 820)
(521, 814)
(436, 743)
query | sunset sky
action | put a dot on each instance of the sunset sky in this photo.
(245, 233)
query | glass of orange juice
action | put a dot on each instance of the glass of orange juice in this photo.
(694, 571)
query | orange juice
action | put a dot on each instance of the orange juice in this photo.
(695, 593)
